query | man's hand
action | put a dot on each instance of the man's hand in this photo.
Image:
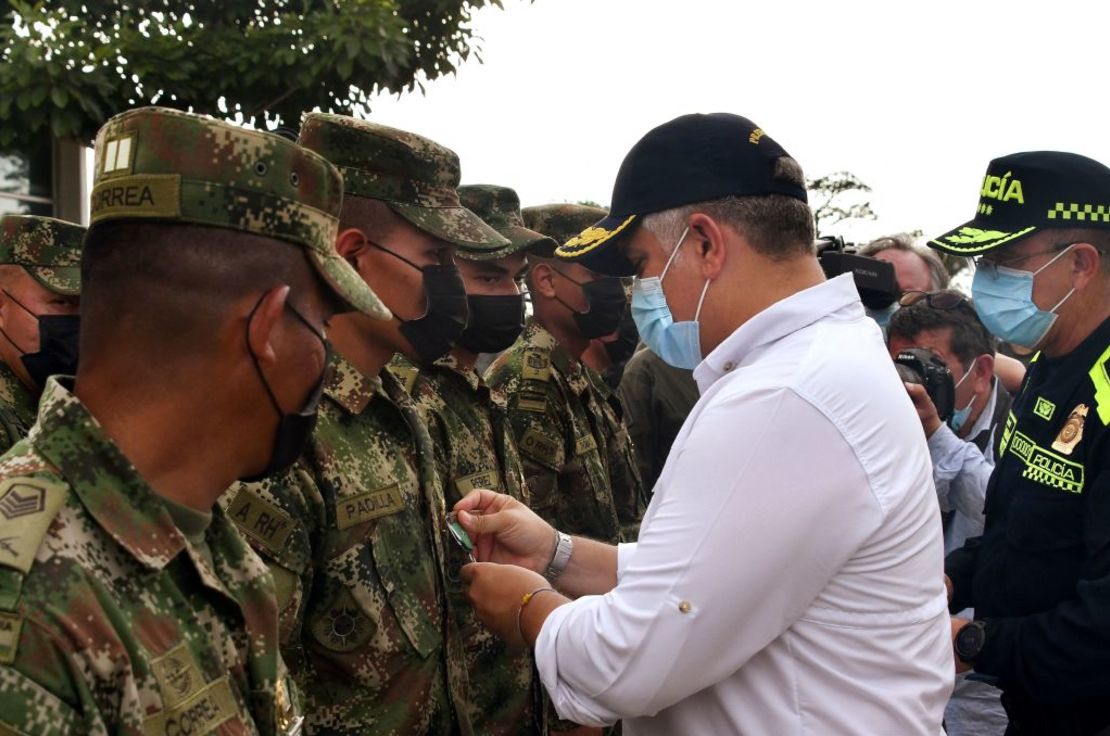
(496, 592)
(957, 624)
(926, 412)
(506, 531)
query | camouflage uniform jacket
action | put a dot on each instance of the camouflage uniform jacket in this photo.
(17, 408)
(111, 620)
(354, 537)
(474, 448)
(577, 456)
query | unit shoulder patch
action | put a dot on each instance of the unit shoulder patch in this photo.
(27, 507)
(536, 365)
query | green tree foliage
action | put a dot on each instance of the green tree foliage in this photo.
(68, 65)
(837, 197)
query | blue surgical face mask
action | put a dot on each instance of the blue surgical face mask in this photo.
(959, 417)
(1004, 301)
(677, 343)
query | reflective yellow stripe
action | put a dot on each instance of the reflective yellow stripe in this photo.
(1101, 380)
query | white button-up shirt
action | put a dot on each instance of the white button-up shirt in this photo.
(789, 573)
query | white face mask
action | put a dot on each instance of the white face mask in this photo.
(959, 417)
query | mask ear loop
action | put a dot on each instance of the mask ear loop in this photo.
(674, 253)
(704, 291)
(1066, 296)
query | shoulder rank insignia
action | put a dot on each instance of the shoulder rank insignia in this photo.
(537, 365)
(1072, 431)
(27, 507)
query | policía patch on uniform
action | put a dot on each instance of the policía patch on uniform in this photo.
(1072, 432)
(27, 506)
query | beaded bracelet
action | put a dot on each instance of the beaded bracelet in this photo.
(524, 601)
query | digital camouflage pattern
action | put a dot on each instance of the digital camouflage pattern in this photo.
(154, 163)
(415, 176)
(578, 461)
(474, 448)
(561, 222)
(353, 535)
(499, 207)
(111, 620)
(49, 250)
(17, 408)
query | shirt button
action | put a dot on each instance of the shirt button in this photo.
(729, 366)
(685, 607)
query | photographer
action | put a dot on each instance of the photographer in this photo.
(962, 450)
(961, 447)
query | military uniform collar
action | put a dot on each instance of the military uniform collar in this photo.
(450, 364)
(104, 480)
(348, 387)
(538, 336)
(16, 396)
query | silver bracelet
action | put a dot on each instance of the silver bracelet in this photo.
(563, 549)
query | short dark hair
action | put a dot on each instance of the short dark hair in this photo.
(170, 285)
(970, 338)
(1100, 239)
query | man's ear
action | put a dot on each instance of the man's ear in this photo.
(262, 327)
(709, 240)
(542, 278)
(351, 245)
(983, 372)
(1086, 264)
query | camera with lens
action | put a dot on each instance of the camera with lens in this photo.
(875, 280)
(923, 366)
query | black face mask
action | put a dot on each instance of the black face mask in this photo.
(58, 340)
(432, 335)
(294, 430)
(628, 337)
(605, 305)
(495, 322)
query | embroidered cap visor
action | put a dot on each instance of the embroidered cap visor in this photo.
(597, 249)
(1024, 193)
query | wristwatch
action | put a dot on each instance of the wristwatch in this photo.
(559, 559)
(969, 642)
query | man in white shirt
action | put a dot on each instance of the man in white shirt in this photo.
(787, 577)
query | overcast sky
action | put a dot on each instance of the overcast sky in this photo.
(914, 98)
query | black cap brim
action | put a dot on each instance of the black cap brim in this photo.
(971, 239)
(597, 247)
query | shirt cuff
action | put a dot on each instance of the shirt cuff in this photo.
(625, 551)
(944, 442)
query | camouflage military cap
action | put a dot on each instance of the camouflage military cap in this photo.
(154, 163)
(49, 250)
(416, 177)
(561, 222)
(500, 208)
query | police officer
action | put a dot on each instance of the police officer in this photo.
(40, 280)
(359, 550)
(474, 445)
(1039, 577)
(128, 603)
(577, 455)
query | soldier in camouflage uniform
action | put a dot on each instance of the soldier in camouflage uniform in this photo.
(129, 604)
(474, 446)
(40, 279)
(577, 455)
(356, 536)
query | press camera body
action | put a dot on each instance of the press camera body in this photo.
(923, 366)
